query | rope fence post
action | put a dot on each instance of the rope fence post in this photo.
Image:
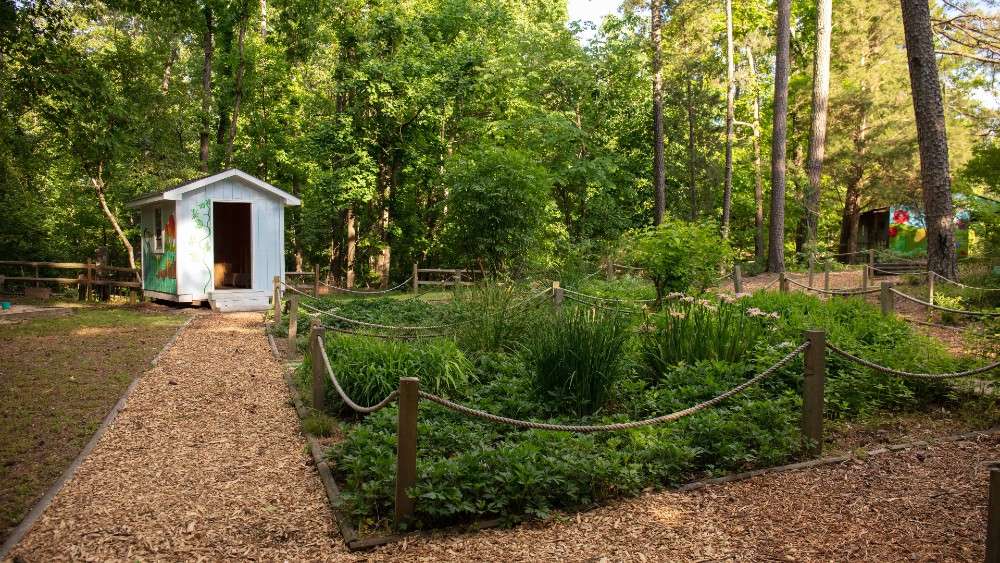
(316, 280)
(293, 323)
(406, 447)
(812, 391)
(864, 277)
(930, 286)
(737, 279)
(782, 283)
(90, 279)
(318, 366)
(886, 299)
(416, 277)
(276, 299)
(558, 294)
(871, 257)
(826, 275)
(993, 517)
(609, 269)
(812, 268)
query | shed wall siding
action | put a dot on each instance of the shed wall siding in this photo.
(195, 231)
(159, 269)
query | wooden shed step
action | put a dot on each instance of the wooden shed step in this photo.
(226, 301)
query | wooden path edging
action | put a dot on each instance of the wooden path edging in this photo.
(43, 503)
(350, 536)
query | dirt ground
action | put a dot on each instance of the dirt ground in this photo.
(59, 377)
(205, 462)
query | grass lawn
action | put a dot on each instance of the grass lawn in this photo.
(60, 376)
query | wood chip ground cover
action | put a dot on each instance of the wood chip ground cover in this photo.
(206, 462)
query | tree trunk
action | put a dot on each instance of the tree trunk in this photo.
(692, 186)
(817, 130)
(727, 190)
(928, 107)
(659, 169)
(758, 180)
(206, 88)
(97, 181)
(852, 201)
(296, 216)
(351, 251)
(263, 19)
(776, 242)
(168, 68)
(238, 91)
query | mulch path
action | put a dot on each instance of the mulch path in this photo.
(205, 462)
(922, 504)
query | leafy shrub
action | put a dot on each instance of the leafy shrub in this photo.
(690, 330)
(577, 357)
(680, 255)
(368, 369)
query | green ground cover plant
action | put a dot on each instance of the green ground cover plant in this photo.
(470, 469)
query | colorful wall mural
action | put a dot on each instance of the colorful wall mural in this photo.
(159, 269)
(908, 231)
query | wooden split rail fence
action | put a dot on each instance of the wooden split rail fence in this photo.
(91, 275)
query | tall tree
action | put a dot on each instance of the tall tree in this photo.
(659, 172)
(776, 239)
(727, 191)
(817, 129)
(758, 174)
(932, 138)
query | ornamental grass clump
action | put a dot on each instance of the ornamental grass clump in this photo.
(368, 369)
(690, 330)
(577, 357)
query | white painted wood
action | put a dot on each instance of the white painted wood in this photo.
(178, 193)
(238, 300)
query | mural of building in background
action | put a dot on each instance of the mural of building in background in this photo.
(902, 228)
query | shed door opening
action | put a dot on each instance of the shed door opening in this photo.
(231, 238)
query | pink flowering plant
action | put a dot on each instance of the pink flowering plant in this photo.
(691, 329)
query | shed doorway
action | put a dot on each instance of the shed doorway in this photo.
(232, 238)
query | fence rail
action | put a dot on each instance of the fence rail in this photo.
(85, 281)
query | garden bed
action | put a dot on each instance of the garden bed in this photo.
(503, 363)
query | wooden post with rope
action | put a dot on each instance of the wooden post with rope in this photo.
(812, 267)
(737, 279)
(293, 323)
(558, 294)
(886, 299)
(406, 447)
(316, 333)
(277, 299)
(826, 275)
(416, 278)
(316, 280)
(812, 391)
(864, 277)
(930, 286)
(782, 283)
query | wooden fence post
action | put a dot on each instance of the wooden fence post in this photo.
(782, 283)
(885, 298)
(406, 446)
(90, 277)
(826, 275)
(133, 297)
(993, 517)
(609, 269)
(456, 280)
(316, 280)
(812, 391)
(812, 266)
(737, 279)
(558, 294)
(316, 333)
(871, 257)
(930, 286)
(416, 278)
(864, 277)
(277, 299)
(293, 323)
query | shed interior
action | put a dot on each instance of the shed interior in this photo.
(232, 242)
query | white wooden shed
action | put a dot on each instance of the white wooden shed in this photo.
(219, 238)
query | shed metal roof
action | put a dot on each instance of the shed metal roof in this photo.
(175, 193)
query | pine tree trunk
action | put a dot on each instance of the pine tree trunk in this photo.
(206, 88)
(727, 191)
(817, 130)
(238, 92)
(776, 239)
(659, 168)
(352, 247)
(852, 201)
(692, 186)
(758, 180)
(928, 107)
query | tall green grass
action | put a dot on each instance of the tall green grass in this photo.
(494, 317)
(577, 357)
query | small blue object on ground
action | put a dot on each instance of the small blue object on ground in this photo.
(5, 305)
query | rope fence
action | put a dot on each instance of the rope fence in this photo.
(612, 299)
(603, 307)
(953, 282)
(900, 373)
(368, 291)
(852, 291)
(320, 351)
(940, 308)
